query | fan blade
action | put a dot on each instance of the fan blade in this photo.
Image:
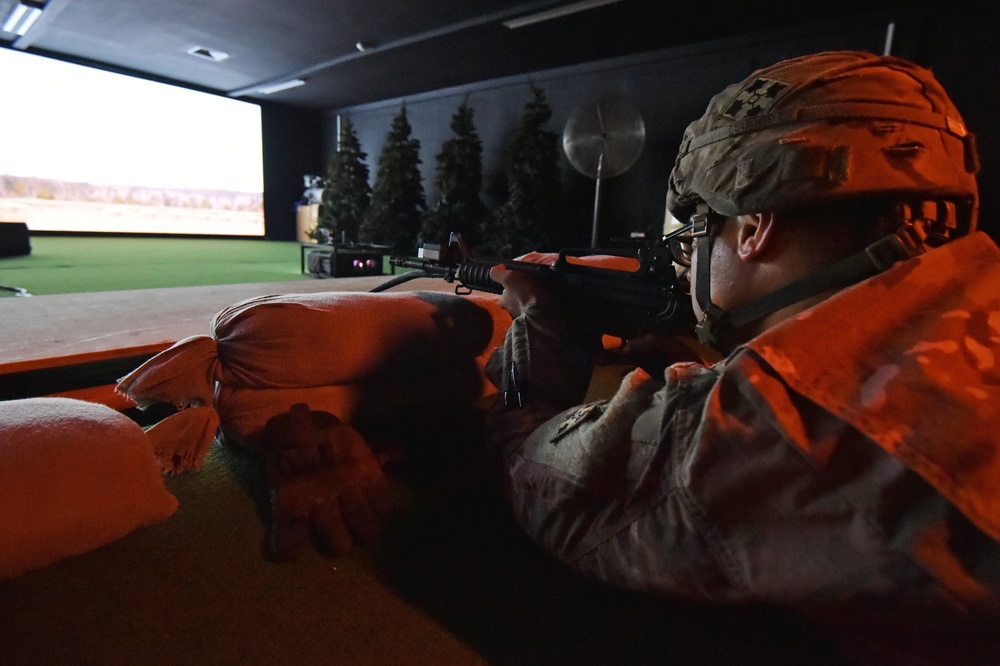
(609, 126)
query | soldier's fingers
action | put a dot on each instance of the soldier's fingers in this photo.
(498, 273)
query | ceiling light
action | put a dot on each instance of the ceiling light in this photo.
(557, 12)
(278, 87)
(23, 16)
(208, 54)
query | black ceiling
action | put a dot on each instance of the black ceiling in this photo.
(412, 46)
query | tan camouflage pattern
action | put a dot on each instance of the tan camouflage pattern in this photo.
(843, 463)
(822, 127)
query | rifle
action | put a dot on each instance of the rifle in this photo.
(625, 304)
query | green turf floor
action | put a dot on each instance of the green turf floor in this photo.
(68, 264)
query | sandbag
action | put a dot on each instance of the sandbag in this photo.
(345, 337)
(183, 375)
(74, 476)
(377, 407)
(381, 361)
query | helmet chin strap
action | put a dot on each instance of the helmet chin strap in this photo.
(717, 327)
(714, 322)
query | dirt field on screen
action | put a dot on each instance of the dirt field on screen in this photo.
(45, 215)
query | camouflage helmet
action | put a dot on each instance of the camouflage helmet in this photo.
(823, 127)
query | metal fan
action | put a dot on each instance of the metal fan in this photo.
(602, 139)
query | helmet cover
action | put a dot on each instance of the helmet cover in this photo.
(824, 127)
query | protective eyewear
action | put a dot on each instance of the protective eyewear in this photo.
(679, 243)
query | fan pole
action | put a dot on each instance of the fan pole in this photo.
(597, 200)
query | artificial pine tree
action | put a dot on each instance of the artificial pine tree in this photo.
(458, 179)
(346, 193)
(397, 201)
(530, 217)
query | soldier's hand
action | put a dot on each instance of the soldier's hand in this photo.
(520, 290)
(325, 483)
(653, 352)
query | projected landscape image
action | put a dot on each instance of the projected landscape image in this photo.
(51, 205)
(84, 150)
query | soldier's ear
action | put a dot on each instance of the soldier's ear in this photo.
(754, 235)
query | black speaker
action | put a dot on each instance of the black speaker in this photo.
(14, 239)
(354, 261)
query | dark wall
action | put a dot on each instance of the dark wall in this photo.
(671, 88)
(958, 46)
(293, 147)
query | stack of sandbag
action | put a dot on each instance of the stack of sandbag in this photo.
(383, 362)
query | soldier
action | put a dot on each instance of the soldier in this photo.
(843, 458)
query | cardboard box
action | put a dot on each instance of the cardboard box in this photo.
(307, 217)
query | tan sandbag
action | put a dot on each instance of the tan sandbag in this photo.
(362, 356)
(181, 440)
(183, 375)
(341, 338)
(388, 405)
(243, 412)
(74, 476)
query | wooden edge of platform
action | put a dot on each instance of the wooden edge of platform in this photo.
(90, 376)
(82, 358)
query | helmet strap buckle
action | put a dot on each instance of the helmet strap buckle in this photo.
(700, 224)
(890, 250)
(931, 222)
(711, 330)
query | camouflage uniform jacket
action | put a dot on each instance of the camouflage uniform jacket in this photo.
(844, 462)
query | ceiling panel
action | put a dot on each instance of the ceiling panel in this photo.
(413, 46)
